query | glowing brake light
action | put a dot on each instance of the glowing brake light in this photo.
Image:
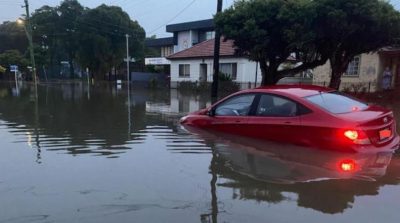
(358, 137)
(351, 134)
(347, 165)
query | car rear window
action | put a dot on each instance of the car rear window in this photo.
(337, 103)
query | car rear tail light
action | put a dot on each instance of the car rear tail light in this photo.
(351, 134)
(347, 165)
(357, 136)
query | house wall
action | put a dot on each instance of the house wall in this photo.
(194, 36)
(184, 41)
(187, 39)
(246, 70)
(369, 74)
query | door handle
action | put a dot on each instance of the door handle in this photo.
(288, 122)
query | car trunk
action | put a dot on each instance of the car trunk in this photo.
(378, 124)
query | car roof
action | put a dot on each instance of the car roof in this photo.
(294, 90)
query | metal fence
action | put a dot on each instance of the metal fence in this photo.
(358, 87)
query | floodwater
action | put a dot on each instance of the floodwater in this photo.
(95, 154)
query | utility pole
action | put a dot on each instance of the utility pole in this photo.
(127, 56)
(214, 87)
(128, 78)
(29, 35)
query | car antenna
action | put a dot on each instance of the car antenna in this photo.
(320, 94)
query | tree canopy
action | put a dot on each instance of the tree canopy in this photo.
(93, 38)
(12, 37)
(13, 57)
(102, 38)
(314, 31)
(269, 31)
(346, 29)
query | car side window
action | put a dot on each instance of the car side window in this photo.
(236, 106)
(275, 106)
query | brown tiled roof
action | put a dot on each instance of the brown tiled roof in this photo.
(390, 50)
(206, 49)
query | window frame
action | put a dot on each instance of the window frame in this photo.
(183, 74)
(233, 68)
(350, 67)
(301, 109)
(340, 94)
(251, 107)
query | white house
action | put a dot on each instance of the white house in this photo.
(185, 35)
(195, 64)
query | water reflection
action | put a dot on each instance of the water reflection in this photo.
(159, 166)
(64, 118)
(267, 172)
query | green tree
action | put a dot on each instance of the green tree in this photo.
(102, 39)
(2, 69)
(13, 57)
(269, 31)
(47, 37)
(12, 36)
(151, 51)
(70, 11)
(348, 28)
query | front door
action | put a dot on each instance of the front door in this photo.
(203, 72)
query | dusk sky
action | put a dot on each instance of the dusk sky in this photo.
(152, 15)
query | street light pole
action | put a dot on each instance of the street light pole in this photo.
(128, 78)
(28, 31)
(127, 56)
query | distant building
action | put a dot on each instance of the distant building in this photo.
(195, 64)
(185, 35)
(189, 55)
(365, 72)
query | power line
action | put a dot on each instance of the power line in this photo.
(172, 19)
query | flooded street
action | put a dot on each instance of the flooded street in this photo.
(93, 154)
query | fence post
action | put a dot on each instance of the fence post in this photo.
(369, 87)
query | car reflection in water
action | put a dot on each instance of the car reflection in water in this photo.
(327, 181)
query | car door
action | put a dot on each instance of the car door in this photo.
(231, 115)
(275, 118)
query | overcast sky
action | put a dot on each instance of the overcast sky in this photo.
(152, 15)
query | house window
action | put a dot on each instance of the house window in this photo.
(184, 70)
(354, 67)
(210, 35)
(166, 51)
(229, 69)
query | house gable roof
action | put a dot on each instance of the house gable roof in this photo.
(206, 49)
(168, 41)
(207, 24)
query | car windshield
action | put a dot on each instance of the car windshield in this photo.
(337, 103)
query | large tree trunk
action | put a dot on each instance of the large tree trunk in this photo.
(267, 73)
(339, 64)
(263, 68)
(335, 79)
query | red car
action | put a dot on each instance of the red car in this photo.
(303, 115)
